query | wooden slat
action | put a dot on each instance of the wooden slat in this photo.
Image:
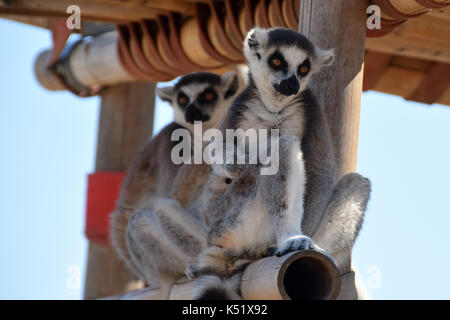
(34, 21)
(91, 10)
(411, 63)
(399, 81)
(414, 79)
(433, 85)
(426, 37)
(170, 5)
(445, 98)
(374, 65)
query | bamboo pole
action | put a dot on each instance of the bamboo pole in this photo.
(126, 122)
(297, 275)
(339, 24)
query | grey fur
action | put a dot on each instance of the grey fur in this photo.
(245, 219)
(142, 231)
(299, 117)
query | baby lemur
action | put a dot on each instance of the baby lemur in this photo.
(250, 215)
(152, 175)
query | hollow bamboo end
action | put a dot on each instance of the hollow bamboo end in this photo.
(308, 275)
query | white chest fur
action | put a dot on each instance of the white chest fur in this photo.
(290, 120)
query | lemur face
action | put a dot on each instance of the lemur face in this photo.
(200, 96)
(281, 62)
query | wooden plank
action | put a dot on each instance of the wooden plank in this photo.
(399, 81)
(411, 63)
(34, 21)
(414, 79)
(374, 65)
(170, 5)
(91, 10)
(126, 123)
(445, 98)
(404, 82)
(426, 37)
(433, 84)
(441, 13)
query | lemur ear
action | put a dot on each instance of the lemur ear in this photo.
(255, 43)
(166, 94)
(230, 81)
(324, 57)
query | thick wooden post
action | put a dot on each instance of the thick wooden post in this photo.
(339, 24)
(126, 123)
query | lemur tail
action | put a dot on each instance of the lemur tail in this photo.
(213, 287)
(340, 225)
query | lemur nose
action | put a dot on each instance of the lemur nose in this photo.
(288, 86)
(192, 113)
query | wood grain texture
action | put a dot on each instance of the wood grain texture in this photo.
(374, 65)
(339, 24)
(126, 123)
(426, 37)
(91, 10)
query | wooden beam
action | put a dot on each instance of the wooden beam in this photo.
(426, 37)
(339, 87)
(90, 10)
(339, 24)
(414, 79)
(126, 123)
(34, 21)
(170, 5)
(433, 84)
(374, 65)
(402, 80)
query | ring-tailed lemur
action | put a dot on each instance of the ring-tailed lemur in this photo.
(249, 214)
(152, 174)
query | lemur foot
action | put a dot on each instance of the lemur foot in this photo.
(296, 243)
(301, 242)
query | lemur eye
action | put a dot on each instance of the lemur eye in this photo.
(228, 180)
(276, 62)
(182, 100)
(209, 96)
(304, 68)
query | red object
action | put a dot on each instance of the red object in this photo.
(60, 34)
(102, 193)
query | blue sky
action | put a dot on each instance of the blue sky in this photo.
(47, 143)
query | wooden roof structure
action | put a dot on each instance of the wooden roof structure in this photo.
(157, 40)
(161, 39)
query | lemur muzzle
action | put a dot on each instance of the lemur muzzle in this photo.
(288, 86)
(192, 113)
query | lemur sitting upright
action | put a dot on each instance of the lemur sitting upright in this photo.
(152, 174)
(249, 214)
(332, 217)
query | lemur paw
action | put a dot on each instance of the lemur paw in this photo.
(191, 272)
(296, 243)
